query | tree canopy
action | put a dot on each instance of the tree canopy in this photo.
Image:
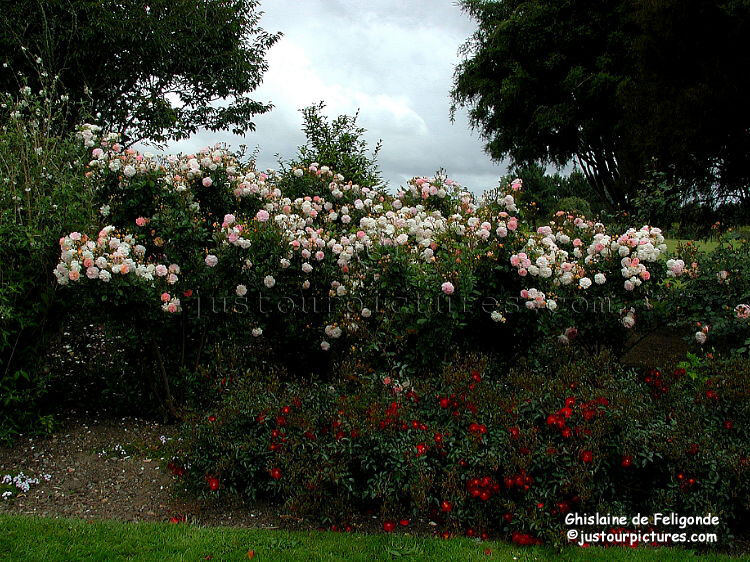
(157, 70)
(622, 88)
(340, 144)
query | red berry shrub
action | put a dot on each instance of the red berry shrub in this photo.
(516, 451)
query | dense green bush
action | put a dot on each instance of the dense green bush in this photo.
(546, 192)
(575, 205)
(507, 456)
(714, 296)
(43, 192)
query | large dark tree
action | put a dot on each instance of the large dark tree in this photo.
(620, 87)
(151, 68)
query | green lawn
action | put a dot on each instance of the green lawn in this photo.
(705, 245)
(28, 538)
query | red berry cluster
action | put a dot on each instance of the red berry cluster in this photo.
(477, 429)
(391, 415)
(588, 410)
(175, 469)
(483, 488)
(522, 481)
(213, 482)
(390, 526)
(524, 539)
(457, 403)
(471, 532)
(685, 482)
(653, 378)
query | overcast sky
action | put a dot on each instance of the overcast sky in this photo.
(393, 60)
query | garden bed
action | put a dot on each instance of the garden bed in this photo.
(111, 468)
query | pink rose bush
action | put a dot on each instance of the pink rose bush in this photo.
(308, 233)
(112, 256)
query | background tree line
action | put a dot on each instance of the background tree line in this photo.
(628, 91)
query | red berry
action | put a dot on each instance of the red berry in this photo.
(627, 460)
(444, 402)
(275, 473)
(446, 506)
(213, 483)
(587, 456)
(389, 526)
(728, 424)
(404, 522)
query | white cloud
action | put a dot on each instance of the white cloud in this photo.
(394, 62)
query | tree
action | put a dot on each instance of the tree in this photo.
(151, 70)
(690, 108)
(618, 87)
(544, 193)
(339, 144)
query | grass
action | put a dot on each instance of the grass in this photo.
(703, 245)
(29, 538)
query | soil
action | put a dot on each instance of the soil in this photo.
(662, 350)
(103, 468)
(109, 469)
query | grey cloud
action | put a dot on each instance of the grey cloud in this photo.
(393, 60)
